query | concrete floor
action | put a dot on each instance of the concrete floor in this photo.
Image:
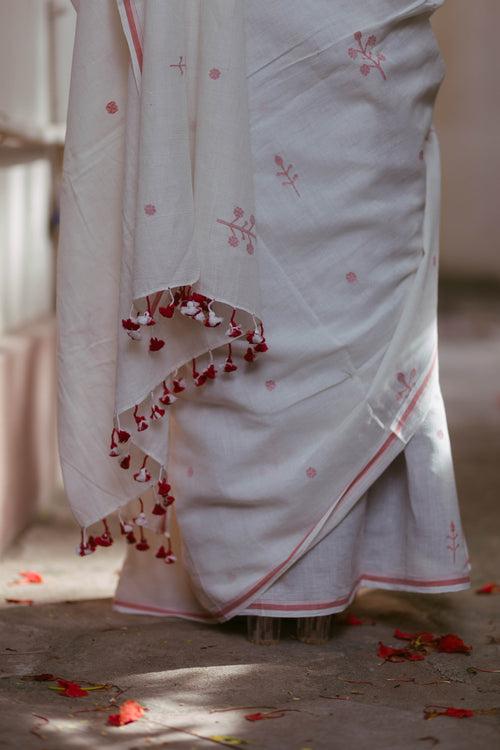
(336, 696)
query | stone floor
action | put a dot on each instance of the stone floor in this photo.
(198, 682)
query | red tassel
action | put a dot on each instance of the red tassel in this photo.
(163, 488)
(168, 311)
(143, 474)
(229, 365)
(210, 372)
(179, 385)
(131, 538)
(142, 545)
(140, 420)
(145, 319)
(156, 412)
(199, 379)
(130, 325)
(123, 436)
(92, 544)
(105, 539)
(159, 510)
(83, 548)
(161, 554)
(167, 398)
(263, 347)
(170, 557)
(155, 344)
(234, 329)
(250, 355)
(114, 450)
(169, 500)
(125, 462)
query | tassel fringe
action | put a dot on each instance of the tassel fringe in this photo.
(199, 308)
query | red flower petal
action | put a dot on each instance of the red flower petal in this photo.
(398, 654)
(71, 689)
(452, 644)
(404, 636)
(489, 588)
(129, 711)
(430, 712)
(353, 620)
(459, 713)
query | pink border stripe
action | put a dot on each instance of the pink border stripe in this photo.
(160, 610)
(308, 606)
(133, 31)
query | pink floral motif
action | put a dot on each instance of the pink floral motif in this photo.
(245, 229)
(112, 108)
(291, 179)
(214, 73)
(440, 434)
(406, 383)
(311, 472)
(369, 58)
(351, 277)
(453, 537)
(150, 209)
(270, 385)
(181, 65)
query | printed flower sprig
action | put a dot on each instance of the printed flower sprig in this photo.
(370, 59)
(245, 229)
(287, 173)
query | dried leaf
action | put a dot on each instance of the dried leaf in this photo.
(480, 669)
(227, 739)
(129, 711)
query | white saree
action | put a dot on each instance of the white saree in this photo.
(244, 165)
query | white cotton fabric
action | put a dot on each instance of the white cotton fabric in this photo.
(325, 464)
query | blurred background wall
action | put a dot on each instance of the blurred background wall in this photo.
(36, 39)
(468, 123)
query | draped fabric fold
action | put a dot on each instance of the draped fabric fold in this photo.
(189, 278)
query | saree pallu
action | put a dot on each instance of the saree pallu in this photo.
(325, 463)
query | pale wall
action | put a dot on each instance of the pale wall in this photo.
(468, 123)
